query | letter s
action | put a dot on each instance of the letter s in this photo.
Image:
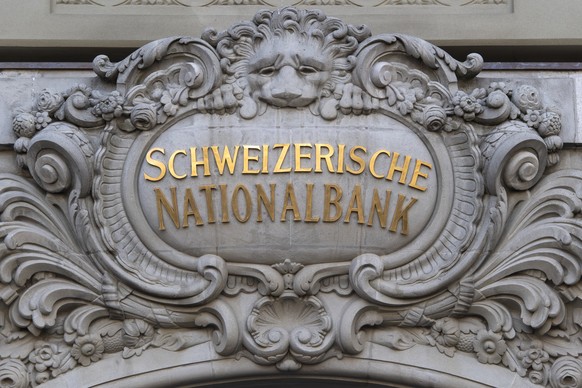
(155, 163)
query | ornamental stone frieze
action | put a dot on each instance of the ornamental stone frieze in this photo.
(291, 197)
(101, 24)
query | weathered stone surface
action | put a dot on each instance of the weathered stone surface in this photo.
(380, 214)
(122, 23)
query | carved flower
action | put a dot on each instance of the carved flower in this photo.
(526, 97)
(143, 116)
(44, 356)
(109, 106)
(533, 356)
(434, 118)
(170, 108)
(501, 86)
(489, 347)
(13, 374)
(49, 102)
(24, 125)
(533, 118)
(446, 332)
(550, 124)
(137, 333)
(406, 99)
(42, 120)
(468, 106)
(566, 372)
(87, 349)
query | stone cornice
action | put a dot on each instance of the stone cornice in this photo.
(113, 23)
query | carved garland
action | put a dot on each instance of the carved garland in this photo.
(500, 281)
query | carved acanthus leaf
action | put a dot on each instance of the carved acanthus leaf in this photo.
(545, 233)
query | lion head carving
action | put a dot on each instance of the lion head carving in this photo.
(287, 58)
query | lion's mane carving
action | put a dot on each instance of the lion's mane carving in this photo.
(287, 58)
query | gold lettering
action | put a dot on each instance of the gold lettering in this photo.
(156, 163)
(329, 201)
(171, 164)
(358, 159)
(290, 204)
(282, 156)
(309, 203)
(401, 213)
(326, 156)
(373, 163)
(190, 209)
(248, 158)
(355, 205)
(340, 158)
(417, 173)
(299, 156)
(234, 203)
(403, 170)
(269, 203)
(225, 159)
(226, 163)
(378, 209)
(265, 169)
(208, 190)
(172, 210)
(223, 204)
(194, 162)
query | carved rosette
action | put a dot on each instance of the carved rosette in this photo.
(83, 273)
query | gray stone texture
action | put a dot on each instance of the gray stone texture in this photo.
(420, 221)
(119, 23)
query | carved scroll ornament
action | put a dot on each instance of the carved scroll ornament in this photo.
(493, 269)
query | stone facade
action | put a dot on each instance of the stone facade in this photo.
(132, 23)
(291, 197)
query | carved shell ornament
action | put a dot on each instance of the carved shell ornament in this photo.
(459, 242)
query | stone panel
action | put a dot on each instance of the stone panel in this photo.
(113, 23)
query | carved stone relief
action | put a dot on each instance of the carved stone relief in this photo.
(116, 3)
(290, 190)
(447, 3)
(451, 4)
